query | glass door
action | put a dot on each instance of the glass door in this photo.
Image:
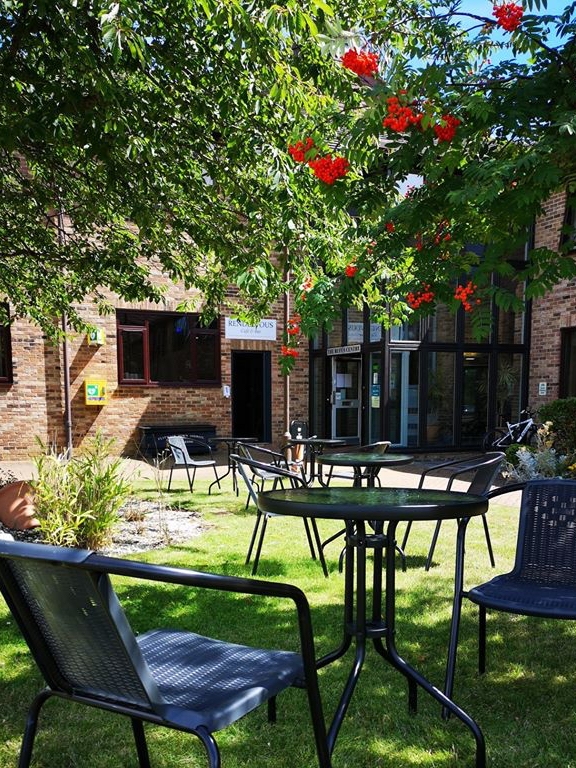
(403, 398)
(346, 378)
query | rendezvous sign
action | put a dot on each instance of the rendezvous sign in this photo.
(265, 330)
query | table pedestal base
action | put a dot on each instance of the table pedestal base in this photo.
(381, 630)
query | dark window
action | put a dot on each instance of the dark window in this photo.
(568, 363)
(568, 237)
(5, 355)
(167, 348)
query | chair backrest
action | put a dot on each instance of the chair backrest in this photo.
(379, 447)
(74, 624)
(178, 449)
(546, 546)
(298, 429)
(265, 456)
(250, 468)
(486, 471)
(481, 471)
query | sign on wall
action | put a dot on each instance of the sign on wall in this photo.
(237, 329)
(95, 392)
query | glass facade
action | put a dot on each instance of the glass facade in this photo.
(426, 385)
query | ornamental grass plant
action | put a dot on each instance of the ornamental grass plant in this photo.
(524, 703)
(77, 500)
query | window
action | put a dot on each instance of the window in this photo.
(568, 236)
(167, 348)
(5, 355)
(568, 363)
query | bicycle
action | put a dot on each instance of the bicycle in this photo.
(522, 432)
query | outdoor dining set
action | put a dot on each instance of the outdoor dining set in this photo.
(71, 618)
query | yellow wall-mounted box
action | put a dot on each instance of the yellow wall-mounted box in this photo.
(96, 337)
(95, 392)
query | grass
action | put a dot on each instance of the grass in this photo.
(524, 703)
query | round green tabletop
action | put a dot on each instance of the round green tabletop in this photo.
(374, 504)
(364, 459)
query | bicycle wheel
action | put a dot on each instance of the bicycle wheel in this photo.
(530, 438)
(495, 439)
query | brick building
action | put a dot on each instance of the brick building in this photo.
(553, 336)
(157, 367)
(425, 386)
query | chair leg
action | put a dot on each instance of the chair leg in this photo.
(31, 727)
(432, 546)
(260, 542)
(253, 538)
(488, 541)
(141, 746)
(406, 534)
(309, 537)
(210, 746)
(272, 709)
(170, 477)
(318, 541)
(481, 639)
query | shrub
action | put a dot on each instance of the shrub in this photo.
(542, 459)
(562, 414)
(77, 500)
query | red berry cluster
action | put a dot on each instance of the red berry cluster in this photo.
(293, 325)
(442, 233)
(400, 115)
(508, 16)
(361, 63)
(389, 226)
(351, 270)
(446, 129)
(423, 296)
(464, 293)
(329, 169)
(301, 149)
(288, 351)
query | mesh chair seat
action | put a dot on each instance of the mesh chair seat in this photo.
(213, 681)
(515, 595)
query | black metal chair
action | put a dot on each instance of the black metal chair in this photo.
(543, 579)
(267, 461)
(72, 620)
(482, 471)
(249, 470)
(178, 446)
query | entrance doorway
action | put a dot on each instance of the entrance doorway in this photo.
(346, 403)
(251, 395)
(403, 398)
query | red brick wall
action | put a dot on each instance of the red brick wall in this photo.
(34, 404)
(550, 313)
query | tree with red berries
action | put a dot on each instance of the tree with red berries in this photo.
(350, 154)
(456, 136)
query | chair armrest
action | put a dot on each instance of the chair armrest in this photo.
(509, 488)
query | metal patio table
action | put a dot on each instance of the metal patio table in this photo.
(231, 444)
(366, 464)
(383, 509)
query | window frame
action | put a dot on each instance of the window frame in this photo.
(139, 321)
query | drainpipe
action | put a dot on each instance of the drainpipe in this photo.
(65, 366)
(287, 377)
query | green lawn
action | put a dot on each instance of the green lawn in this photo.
(525, 703)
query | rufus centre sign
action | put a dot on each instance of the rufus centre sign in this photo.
(236, 329)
